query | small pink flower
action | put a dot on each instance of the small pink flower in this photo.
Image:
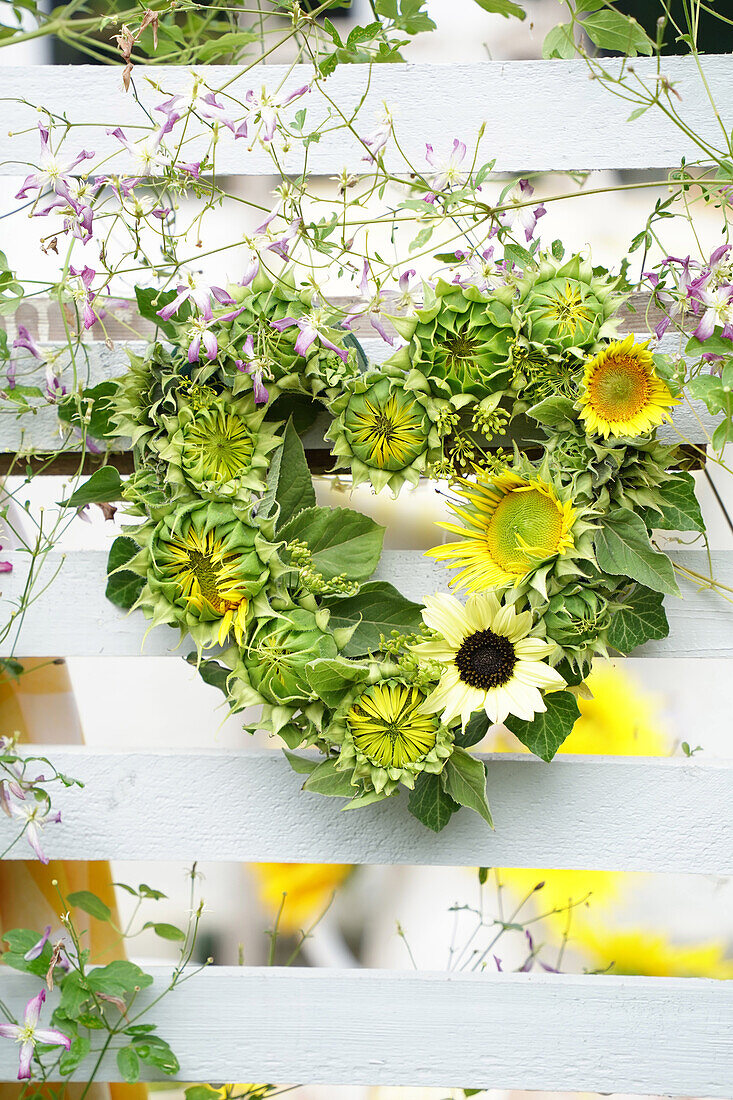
(201, 294)
(447, 169)
(311, 327)
(28, 1034)
(31, 814)
(255, 369)
(25, 340)
(267, 110)
(518, 211)
(369, 306)
(53, 173)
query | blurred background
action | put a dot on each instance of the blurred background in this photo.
(431, 918)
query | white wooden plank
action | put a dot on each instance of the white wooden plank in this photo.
(605, 813)
(539, 115)
(701, 624)
(594, 1033)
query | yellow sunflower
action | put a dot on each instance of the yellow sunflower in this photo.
(622, 395)
(209, 578)
(308, 887)
(388, 726)
(510, 526)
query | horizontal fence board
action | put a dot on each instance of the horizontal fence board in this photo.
(519, 101)
(595, 1033)
(609, 813)
(60, 622)
(96, 362)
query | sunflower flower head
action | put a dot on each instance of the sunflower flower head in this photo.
(489, 661)
(384, 432)
(621, 392)
(509, 525)
(566, 307)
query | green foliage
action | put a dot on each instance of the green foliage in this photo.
(641, 619)
(376, 610)
(502, 7)
(104, 486)
(289, 485)
(327, 779)
(546, 732)
(330, 679)
(91, 411)
(430, 803)
(123, 586)
(128, 1063)
(464, 779)
(90, 903)
(610, 30)
(679, 506)
(150, 300)
(623, 549)
(341, 541)
(20, 941)
(475, 731)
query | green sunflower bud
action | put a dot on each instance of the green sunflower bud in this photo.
(459, 341)
(565, 307)
(219, 448)
(207, 567)
(577, 619)
(383, 432)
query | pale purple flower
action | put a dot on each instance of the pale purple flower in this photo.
(447, 172)
(200, 332)
(251, 268)
(518, 211)
(378, 138)
(25, 340)
(719, 267)
(52, 172)
(191, 168)
(311, 329)
(10, 374)
(409, 284)
(55, 388)
(200, 294)
(255, 368)
(73, 198)
(482, 270)
(369, 306)
(266, 109)
(33, 816)
(148, 152)
(37, 949)
(278, 241)
(82, 293)
(677, 300)
(206, 106)
(718, 310)
(28, 1034)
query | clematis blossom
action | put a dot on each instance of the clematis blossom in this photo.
(82, 294)
(519, 212)
(52, 172)
(311, 329)
(678, 300)
(255, 368)
(28, 1034)
(376, 141)
(206, 106)
(447, 172)
(25, 340)
(481, 270)
(200, 332)
(718, 310)
(32, 815)
(370, 307)
(200, 294)
(266, 108)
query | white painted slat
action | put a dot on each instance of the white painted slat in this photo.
(594, 1033)
(539, 115)
(605, 813)
(59, 622)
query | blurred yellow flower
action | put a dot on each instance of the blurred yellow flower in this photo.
(635, 951)
(309, 888)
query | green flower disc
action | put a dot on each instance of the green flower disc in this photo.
(566, 307)
(385, 433)
(218, 448)
(460, 341)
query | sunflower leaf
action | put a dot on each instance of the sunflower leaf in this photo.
(465, 781)
(377, 609)
(475, 731)
(331, 677)
(123, 586)
(341, 541)
(289, 483)
(641, 620)
(546, 732)
(429, 803)
(325, 779)
(623, 549)
(679, 506)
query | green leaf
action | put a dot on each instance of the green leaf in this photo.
(117, 978)
(222, 47)
(166, 931)
(289, 482)
(73, 995)
(325, 779)
(103, 486)
(623, 549)
(475, 731)
(71, 1058)
(553, 411)
(502, 7)
(128, 1064)
(546, 732)
(714, 345)
(680, 507)
(20, 941)
(89, 903)
(200, 1092)
(300, 764)
(331, 677)
(211, 672)
(610, 30)
(642, 620)
(123, 587)
(362, 34)
(150, 300)
(340, 540)
(429, 803)
(154, 1051)
(559, 43)
(465, 782)
(709, 388)
(378, 608)
(94, 403)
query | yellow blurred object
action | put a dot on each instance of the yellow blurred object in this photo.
(636, 951)
(40, 704)
(619, 720)
(309, 888)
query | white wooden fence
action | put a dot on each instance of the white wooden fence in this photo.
(535, 1031)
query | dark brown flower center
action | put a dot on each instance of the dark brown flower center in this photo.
(486, 660)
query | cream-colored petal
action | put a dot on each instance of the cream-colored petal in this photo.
(447, 615)
(481, 608)
(529, 649)
(436, 649)
(521, 625)
(525, 701)
(504, 621)
(539, 674)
